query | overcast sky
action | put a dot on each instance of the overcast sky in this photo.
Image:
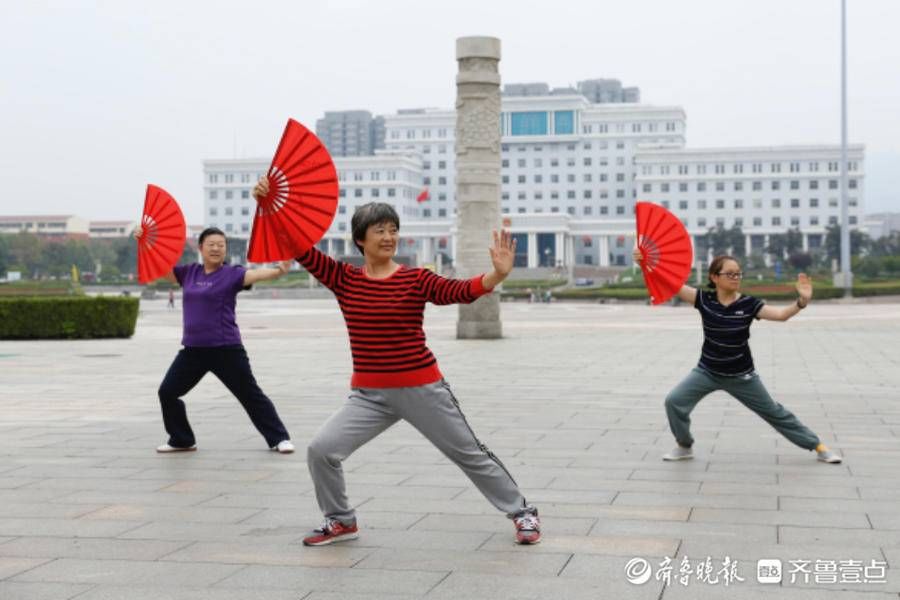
(99, 98)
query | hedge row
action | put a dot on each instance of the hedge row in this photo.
(67, 317)
(773, 293)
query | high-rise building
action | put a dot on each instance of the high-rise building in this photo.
(351, 132)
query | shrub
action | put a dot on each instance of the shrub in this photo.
(67, 317)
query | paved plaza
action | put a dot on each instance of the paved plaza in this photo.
(571, 400)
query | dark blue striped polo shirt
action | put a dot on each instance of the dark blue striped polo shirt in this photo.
(726, 331)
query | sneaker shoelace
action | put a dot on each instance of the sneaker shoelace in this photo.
(327, 526)
(527, 523)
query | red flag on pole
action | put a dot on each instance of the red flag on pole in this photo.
(423, 196)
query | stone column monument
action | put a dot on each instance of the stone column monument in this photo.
(477, 176)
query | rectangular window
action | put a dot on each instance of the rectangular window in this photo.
(701, 204)
(701, 186)
(720, 186)
(814, 203)
(832, 184)
(757, 221)
(229, 194)
(647, 188)
(738, 186)
(563, 122)
(776, 185)
(682, 187)
(682, 204)
(795, 202)
(528, 123)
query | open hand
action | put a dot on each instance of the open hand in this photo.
(503, 252)
(804, 287)
(138, 232)
(261, 189)
(636, 255)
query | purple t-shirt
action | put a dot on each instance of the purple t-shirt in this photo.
(208, 304)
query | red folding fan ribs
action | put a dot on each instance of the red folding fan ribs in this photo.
(162, 242)
(302, 198)
(666, 249)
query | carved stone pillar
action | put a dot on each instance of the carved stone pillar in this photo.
(477, 176)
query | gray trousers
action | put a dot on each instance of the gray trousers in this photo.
(748, 390)
(435, 412)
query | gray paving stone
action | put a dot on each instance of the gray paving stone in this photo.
(128, 572)
(10, 590)
(482, 561)
(376, 581)
(89, 548)
(83, 489)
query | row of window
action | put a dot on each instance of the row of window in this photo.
(650, 127)
(586, 161)
(570, 194)
(376, 193)
(756, 186)
(539, 123)
(423, 134)
(757, 203)
(570, 178)
(233, 177)
(738, 168)
(229, 194)
(813, 221)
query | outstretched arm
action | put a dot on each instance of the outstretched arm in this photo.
(783, 313)
(252, 276)
(170, 275)
(685, 294)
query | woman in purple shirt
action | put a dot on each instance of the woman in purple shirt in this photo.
(212, 342)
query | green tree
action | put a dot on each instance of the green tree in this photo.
(859, 242)
(5, 255)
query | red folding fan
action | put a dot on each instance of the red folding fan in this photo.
(302, 198)
(162, 242)
(666, 249)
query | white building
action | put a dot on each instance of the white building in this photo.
(111, 229)
(47, 225)
(390, 177)
(560, 154)
(571, 172)
(764, 190)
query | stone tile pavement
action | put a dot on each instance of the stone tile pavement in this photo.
(570, 400)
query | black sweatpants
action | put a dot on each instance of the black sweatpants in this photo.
(231, 365)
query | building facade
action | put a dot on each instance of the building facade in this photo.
(763, 191)
(574, 162)
(351, 132)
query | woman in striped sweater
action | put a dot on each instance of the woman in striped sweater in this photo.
(395, 375)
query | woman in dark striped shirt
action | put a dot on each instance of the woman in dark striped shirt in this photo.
(395, 375)
(725, 360)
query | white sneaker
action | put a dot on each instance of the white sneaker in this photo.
(284, 447)
(166, 448)
(679, 453)
(828, 456)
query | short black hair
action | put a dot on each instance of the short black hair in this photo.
(211, 231)
(366, 215)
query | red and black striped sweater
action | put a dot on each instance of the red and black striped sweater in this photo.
(384, 318)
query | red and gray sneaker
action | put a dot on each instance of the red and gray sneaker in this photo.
(528, 528)
(331, 531)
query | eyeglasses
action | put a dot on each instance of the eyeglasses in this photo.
(731, 274)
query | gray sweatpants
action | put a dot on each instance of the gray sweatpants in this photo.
(751, 393)
(435, 412)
